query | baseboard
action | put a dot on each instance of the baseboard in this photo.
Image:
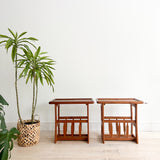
(96, 126)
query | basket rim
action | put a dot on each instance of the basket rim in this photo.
(29, 120)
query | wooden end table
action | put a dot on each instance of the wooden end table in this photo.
(71, 119)
(120, 128)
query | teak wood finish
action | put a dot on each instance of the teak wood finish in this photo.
(71, 119)
(126, 127)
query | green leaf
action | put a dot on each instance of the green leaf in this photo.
(16, 35)
(24, 45)
(21, 74)
(5, 152)
(41, 79)
(6, 142)
(9, 43)
(29, 38)
(1, 154)
(28, 53)
(32, 38)
(28, 43)
(43, 53)
(2, 138)
(29, 76)
(43, 58)
(46, 78)
(2, 112)
(21, 62)
(3, 41)
(21, 54)
(52, 88)
(14, 49)
(10, 145)
(22, 34)
(3, 123)
(26, 69)
(3, 101)
(51, 67)
(13, 131)
(4, 36)
(12, 33)
(3, 133)
(37, 52)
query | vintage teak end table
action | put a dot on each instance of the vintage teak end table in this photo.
(120, 128)
(64, 120)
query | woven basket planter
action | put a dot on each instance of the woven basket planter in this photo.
(29, 133)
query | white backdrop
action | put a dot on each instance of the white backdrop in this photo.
(102, 48)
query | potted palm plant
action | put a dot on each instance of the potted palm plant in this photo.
(36, 67)
(16, 43)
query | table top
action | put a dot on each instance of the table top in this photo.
(119, 101)
(72, 101)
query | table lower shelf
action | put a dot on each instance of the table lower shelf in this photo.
(69, 137)
(119, 138)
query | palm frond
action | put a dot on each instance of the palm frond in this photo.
(21, 43)
(4, 36)
(13, 53)
(9, 43)
(3, 41)
(14, 35)
(23, 33)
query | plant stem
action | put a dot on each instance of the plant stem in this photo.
(36, 96)
(33, 102)
(16, 88)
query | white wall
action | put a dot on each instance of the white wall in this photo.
(102, 48)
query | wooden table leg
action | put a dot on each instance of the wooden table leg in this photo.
(101, 124)
(131, 119)
(88, 120)
(102, 117)
(55, 123)
(58, 119)
(136, 119)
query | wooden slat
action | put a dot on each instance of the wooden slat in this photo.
(72, 129)
(124, 128)
(127, 130)
(110, 129)
(80, 129)
(117, 128)
(65, 129)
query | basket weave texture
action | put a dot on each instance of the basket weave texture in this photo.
(29, 133)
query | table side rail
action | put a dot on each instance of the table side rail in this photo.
(119, 101)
